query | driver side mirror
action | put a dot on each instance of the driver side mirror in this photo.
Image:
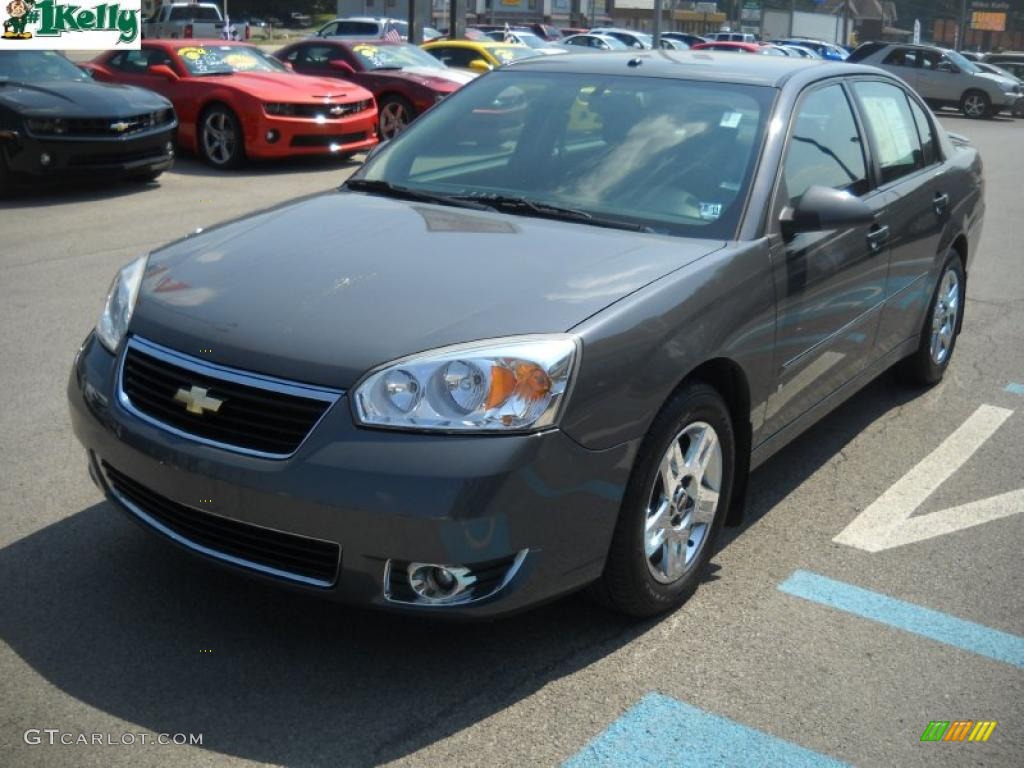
(342, 66)
(163, 70)
(948, 66)
(824, 208)
(86, 71)
(479, 65)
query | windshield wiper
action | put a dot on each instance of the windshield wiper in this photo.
(381, 187)
(523, 205)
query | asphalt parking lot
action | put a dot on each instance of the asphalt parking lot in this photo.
(811, 642)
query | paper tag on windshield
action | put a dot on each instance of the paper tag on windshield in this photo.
(710, 211)
(731, 119)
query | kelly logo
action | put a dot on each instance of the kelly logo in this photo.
(90, 24)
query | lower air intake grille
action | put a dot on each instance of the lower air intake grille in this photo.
(286, 555)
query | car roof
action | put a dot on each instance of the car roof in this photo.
(702, 65)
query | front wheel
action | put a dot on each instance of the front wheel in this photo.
(220, 138)
(395, 115)
(976, 104)
(674, 507)
(942, 324)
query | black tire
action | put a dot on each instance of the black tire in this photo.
(628, 584)
(398, 108)
(232, 153)
(924, 367)
(976, 104)
(5, 176)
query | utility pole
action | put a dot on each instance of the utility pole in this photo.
(962, 38)
(656, 32)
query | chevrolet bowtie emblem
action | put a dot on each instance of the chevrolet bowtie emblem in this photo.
(335, 111)
(197, 400)
(120, 127)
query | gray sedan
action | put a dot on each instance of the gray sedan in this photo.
(538, 342)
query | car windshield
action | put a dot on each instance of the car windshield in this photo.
(37, 67)
(374, 56)
(615, 43)
(673, 156)
(963, 64)
(225, 59)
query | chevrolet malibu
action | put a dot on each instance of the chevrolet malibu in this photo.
(494, 369)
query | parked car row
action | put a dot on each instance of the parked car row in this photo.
(945, 78)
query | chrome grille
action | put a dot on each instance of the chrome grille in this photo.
(257, 414)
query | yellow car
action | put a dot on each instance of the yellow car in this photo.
(477, 56)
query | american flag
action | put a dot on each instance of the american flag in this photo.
(391, 34)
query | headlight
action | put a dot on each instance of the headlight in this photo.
(1007, 86)
(279, 109)
(504, 385)
(117, 312)
(45, 126)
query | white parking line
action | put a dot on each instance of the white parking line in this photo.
(887, 523)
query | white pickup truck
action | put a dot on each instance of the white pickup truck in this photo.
(185, 20)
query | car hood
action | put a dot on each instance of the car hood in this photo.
(323, 289)
(287, 86)
(74, 98)
(430, 75)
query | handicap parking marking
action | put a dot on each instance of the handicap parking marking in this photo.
(935, 625)
(1015, 388)
(662, 731)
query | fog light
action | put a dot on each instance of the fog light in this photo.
(169, 148)
(439, 582)
(44, 159)
(272, 136)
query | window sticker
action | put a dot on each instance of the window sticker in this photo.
(731, 120)
(710, 211)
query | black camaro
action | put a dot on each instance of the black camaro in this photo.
(55, 122)
(539, 340)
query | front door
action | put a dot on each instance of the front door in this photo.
(830, 285)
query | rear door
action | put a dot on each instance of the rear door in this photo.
(909, 167)
(830, 285)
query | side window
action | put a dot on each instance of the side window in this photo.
(825, 148)
(930, 60)
(902, 57)
(330, 29)
(132, 62)
(892, 127)
(317, 56)
(456, 57)
(929, 148)
(292, 56)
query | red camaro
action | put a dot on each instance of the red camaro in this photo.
(234, 101)
(405, 79)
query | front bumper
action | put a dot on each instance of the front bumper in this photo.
(384, 498)
(306, 136)
(148, 153)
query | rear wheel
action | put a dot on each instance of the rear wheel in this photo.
(942, 324)
(220, 138)
(674, 506)
(976, 104)
(395, 115)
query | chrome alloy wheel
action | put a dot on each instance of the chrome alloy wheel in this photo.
(974, 105)
(683, 502)
(394, 118)
(945, 316)
(219, 137)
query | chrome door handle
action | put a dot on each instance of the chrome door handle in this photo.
(878, 236)
(941, 202)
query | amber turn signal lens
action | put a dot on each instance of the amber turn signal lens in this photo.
(527, 381)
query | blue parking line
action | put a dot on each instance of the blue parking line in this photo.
(966, 635)
(1015, 388)
(660, 731)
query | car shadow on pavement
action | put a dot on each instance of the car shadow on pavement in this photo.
(71, 192)
(130, 625)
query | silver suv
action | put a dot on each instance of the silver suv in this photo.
(943, 77)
